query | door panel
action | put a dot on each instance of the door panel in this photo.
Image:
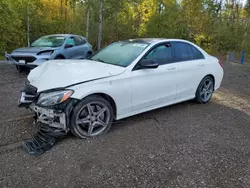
(81, 47)
(83, 51)
(191, 64)
(152, 87)
(190, 74)
(155, 87)
(70, 53)
(79, 52)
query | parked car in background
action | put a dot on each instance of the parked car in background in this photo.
(60, 46)
(123, 79)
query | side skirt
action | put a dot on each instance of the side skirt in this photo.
(132, 113)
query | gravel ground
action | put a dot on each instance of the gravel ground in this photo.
(184, 145)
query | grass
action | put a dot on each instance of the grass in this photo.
(2, 57)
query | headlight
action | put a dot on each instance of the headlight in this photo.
(53, 98)
(48, 52)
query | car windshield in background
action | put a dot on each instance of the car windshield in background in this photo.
(49, 41)
(120, 53)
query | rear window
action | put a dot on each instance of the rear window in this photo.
(79, 41)
(183, 52)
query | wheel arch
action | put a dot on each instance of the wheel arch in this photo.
(197, 95)
(107, 97)
(88, 53)
(212, 76)
(60, 55)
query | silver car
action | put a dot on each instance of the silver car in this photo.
(60, 46)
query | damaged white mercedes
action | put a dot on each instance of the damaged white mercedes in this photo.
(123, 79)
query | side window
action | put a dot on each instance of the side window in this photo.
(184, 52)
(181, 51)
(196, 53)
(79, 41)
(70, 41)
(161, 54)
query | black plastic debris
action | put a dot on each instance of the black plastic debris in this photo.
(43, 140)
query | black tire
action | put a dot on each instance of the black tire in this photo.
(81, 130)
(88, 55)
(60, 57)
(199, 96)
(20, 68)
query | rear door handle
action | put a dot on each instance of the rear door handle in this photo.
(201, 65)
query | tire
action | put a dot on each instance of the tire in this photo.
(85, 120)
(88, 55)
(205, 90)
(59, 57)
(20, 68)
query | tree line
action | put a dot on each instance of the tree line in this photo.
(216, 25)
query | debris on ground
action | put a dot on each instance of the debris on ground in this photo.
(43, 140)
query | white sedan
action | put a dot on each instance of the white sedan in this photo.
(123, 79)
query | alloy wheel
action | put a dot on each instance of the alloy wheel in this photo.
(206, 90)
(93, 118)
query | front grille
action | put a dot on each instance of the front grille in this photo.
(27, 59)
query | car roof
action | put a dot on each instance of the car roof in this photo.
(65, 35)
(153, 40)
(144, 40)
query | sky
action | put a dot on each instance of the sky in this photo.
(244, 2)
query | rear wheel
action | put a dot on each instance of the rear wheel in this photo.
(88, 55)
(205, 90)
(92, 116)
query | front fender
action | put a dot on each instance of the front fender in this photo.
(56, 53)
(118, 90)
(83, 90)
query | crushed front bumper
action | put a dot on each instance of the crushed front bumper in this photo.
(52, 122)
(55, 116)
(51, 117)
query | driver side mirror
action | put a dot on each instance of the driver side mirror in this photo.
(148, 64)
(69, 45)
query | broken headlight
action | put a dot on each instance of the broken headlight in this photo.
(53, 98)
(47, 52)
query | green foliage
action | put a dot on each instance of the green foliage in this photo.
(211, 24)
(167, 23)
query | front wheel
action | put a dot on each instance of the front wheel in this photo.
(92, 116)
(20, 68)
(205, 90)
(59, 57)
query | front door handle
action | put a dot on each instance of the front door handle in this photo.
(171, 68)
(201, 65)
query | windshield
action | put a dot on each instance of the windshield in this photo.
(49, 41)
(120, 53)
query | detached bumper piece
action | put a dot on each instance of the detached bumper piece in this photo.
(43, 140)
(28, 94)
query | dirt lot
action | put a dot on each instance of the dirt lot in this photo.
(184, 145)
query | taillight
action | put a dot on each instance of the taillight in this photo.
(220, 62)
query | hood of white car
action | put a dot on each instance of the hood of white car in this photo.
(62, 73)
